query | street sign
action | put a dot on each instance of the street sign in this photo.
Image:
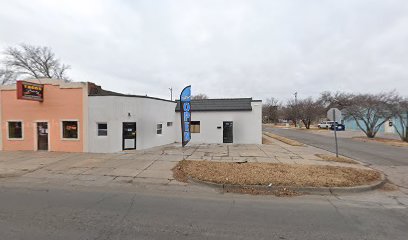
(336, 116)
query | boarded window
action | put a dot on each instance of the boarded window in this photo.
(102, 129)
(15, 130)
(70, 129)
(195, 126)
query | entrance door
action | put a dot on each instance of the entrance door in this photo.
(129, 136)
(42, 136)
(227, 132)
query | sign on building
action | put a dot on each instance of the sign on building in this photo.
(30, 91)
(185, 98)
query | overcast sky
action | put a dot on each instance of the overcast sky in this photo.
(234, 48)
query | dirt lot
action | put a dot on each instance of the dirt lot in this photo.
(274, 173)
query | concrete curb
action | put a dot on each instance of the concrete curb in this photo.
(307, 190)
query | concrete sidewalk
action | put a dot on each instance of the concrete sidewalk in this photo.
(144, 166)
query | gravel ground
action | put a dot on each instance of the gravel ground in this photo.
(274, 173)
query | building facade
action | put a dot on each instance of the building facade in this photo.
(83, 117)
(57, 123)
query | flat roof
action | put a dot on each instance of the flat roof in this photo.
(95, 90)
(220, 104)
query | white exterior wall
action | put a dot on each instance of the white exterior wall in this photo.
(146, 112)
(247, 125)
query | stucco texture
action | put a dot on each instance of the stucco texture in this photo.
(59, 104)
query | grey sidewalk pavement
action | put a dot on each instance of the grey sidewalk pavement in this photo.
(145, 166)
(151, 169)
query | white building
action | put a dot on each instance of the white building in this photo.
(236, 120)
(123, 122)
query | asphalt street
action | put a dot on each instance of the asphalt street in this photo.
(371, 153)
(29, 213)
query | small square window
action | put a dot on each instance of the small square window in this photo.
(195, 127)
(159, 128)
(15, 130)
(70, 129)
(169, 124)
(102, 129)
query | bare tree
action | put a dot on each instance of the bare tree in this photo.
(310, 110)
(28, 61)
(369, 111)
(270, 110)
(290, 111)
(199, 96)
(6, 76)
(400, 112)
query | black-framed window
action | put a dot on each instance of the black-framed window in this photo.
(70, 129)
(15, 130)
(102, 129)
(169, 124)
(159, 128)
(195, 127)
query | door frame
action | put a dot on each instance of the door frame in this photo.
(123, 139)
(36, 134)
(232, 132)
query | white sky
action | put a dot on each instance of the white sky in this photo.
(231, 48)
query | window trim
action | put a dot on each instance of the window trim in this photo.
(62, 130)
(160, 129)
(22, 131)
(97, 129)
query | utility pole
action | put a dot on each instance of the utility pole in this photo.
(171, 94)
(296, 108)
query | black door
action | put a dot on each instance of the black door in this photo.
(129, 136)
(227, 132)
(42, 136)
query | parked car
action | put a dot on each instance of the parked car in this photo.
(325, 124)
(339, 127)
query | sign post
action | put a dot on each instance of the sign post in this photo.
(185, 107)
(334, 114)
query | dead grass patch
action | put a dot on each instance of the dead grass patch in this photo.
(327, 157)
(284, 140)
(387, 141)
(273, 174)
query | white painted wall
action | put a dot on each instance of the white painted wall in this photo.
(146, 112)
(247, 125)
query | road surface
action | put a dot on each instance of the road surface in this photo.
(372, 153)
(30, 213)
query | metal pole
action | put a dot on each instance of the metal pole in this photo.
(335, 132)
(171, 94)
(296, 110)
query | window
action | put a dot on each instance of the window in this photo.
(70, 129)
(102, 129)
(15, 130)
(169, 124)
(195, 126)
(159, 128)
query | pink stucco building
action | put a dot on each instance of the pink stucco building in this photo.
(57, 123)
